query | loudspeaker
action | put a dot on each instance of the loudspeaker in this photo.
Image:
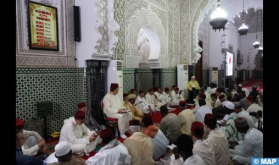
(77, 35)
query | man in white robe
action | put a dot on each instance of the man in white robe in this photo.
(252, 107)
(247, 92)
(160, 98)
(114, 108)
(201, 146)
(202, 111)
(113, 153)
(33, 141)
(219, 92)
(81, 139)
(167, 96)
(186, 118)
(143, 105)
(217, 140)
(211, 89)
(176, 97)
(250, 147)
(151, 99)
(197, 106)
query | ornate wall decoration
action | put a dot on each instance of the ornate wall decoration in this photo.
(160, 3)
(119, 16)
(39, 58)
(185, 31)
(141, 18)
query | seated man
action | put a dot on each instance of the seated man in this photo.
(33, 141)
(143, 105)
(201, 147)
(170, 125)
(252, 107)
(63, 155)
(218, 92)
(243, 89)
(140, 147)
(184, 152)
(197, 106)
(159, 141)
(160, 98)
(218, 140)
(24, 159)
(133, 91)
(167, 96)
(113, 153)
(113, 108)
(151, 99)
(186, 118)
(81, 139)
(226, 108)
(176, 97)
(137, 115)
(250, 147)
(213, 97)
(202, 111)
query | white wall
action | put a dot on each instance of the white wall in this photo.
(215, 54)
(85, 48)
(248, 51)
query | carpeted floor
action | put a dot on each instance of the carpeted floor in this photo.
(250, 83)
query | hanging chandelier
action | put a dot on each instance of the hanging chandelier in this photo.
(218, 18)
(256, 43)
(260, 49)
(243, 29)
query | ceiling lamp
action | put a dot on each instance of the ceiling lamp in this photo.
(256, 43)
(260, 49)
(243, 29)
(218, 18)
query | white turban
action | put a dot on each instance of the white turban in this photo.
(62, 148)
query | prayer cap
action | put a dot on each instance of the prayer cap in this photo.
(62, 148)
(219, 90)
(250, 98)
(177, 89)
(202, 96)
(237, 105)
(19, 123)
(241, 122)
(240, 85)
(80, 115)
(195, 125)
(132, 90)
(193, 77)
(174, 86)
(229, 105)
(131, 96)
(167, 89)
(114, 85)
(141, 91)
(213, 95)
(81, 105)
(106, 133)
(151, 89)
(182, 103)
(209, 118)
(125, 95)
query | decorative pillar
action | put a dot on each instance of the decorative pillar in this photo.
(96, 72)
(157, 72)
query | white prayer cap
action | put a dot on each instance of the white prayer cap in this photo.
(240, 85)
(229, 105)
(62, 148)
(193, 77)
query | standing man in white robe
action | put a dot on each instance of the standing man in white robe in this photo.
(81, 139)
(142, 104)
(113, 108)
(160, 98)
(113, 153)
(252, 107)
(201, 146)
(202, 111)
(167, 96)
(250, 147)
(218, 140)
(151, 99)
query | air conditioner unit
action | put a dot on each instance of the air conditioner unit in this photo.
(213, 75)
(183, 78)
(115, 75)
